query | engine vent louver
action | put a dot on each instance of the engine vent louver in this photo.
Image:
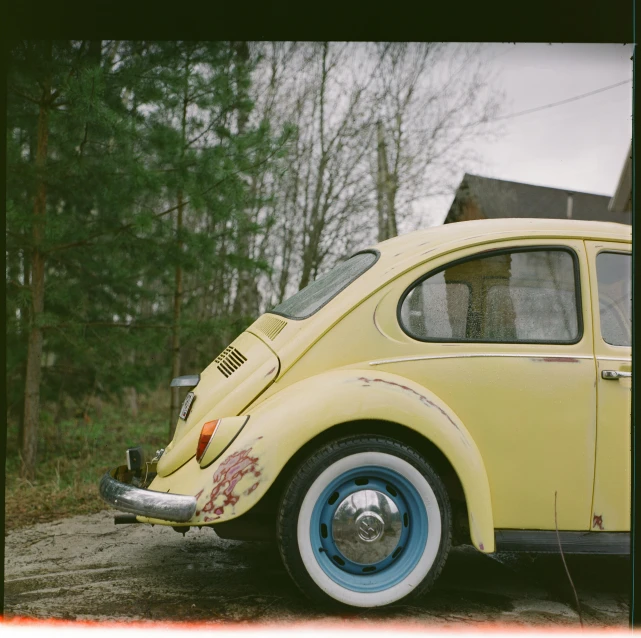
(229, 360)
(270, 326)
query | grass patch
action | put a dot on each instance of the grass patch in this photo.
(72, 457)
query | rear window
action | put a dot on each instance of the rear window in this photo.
(313, 297)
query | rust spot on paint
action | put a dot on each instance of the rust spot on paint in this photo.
(556, 359)
(422, 398)
(597, 521)
(199, 494)
(252, 488)
(481, 546)
(227, 476)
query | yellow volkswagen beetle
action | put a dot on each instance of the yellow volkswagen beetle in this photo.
(468, 383)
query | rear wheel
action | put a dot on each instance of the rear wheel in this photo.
(365, 522)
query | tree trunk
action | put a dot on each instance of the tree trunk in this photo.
(381, 180)
(310, 252)
(34, 348)
(174, 407)
(246, 299)
(132, 401)
(25, 308)
(386, 191)
(391, 206)
(175, 337)
(25, 322)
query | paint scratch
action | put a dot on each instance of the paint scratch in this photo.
(556, 359)
(423, 399)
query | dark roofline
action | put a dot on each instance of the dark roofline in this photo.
(552, 188)
(623, 193)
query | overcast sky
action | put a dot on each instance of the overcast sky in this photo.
(580, 146)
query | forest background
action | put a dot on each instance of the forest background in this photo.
(162, 195)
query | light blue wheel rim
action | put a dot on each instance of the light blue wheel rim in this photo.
(376, 577)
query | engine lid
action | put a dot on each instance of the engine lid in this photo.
(227, 386)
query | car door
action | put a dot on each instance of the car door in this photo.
(610, 274)
(503, 335)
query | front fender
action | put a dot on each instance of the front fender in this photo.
(281, 425)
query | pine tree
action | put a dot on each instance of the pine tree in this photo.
(129, 183)
(70, 209)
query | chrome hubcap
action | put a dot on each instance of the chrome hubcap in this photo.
(367, 527)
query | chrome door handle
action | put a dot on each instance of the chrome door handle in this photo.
(615, 374)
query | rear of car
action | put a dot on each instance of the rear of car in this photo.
(347, 400)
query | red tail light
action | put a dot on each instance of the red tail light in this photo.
(209, 429)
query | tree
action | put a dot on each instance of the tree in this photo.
(160, 195)
(432, 105)
(55, 80)
(73, 209)
(376, 129)
(196, 122)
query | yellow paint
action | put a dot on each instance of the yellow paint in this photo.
(219, 396)
(294, 416)
(612, 479)
(516, 421)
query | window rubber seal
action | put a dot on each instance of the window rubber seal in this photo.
(492, 253)
(371, 251)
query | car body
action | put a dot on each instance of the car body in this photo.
(469, 381)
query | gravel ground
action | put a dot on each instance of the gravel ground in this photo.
(87, 568)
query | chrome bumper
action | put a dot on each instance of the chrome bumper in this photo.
(175, 508)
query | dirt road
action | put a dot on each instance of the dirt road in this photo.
(87, 568)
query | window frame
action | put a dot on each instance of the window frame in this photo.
(598, 300)
(371, 251)
(492, 253)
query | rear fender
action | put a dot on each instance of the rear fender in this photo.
(281, 425)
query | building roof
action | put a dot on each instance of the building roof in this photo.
(621, 201)
(497, 198)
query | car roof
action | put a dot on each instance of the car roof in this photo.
(480, 231)
(401, 254)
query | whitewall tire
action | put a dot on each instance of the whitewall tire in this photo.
(364, 522)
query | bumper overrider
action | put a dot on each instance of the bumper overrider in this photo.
(122, 495)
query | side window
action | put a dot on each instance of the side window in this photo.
(614, 281)
(510, 297)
